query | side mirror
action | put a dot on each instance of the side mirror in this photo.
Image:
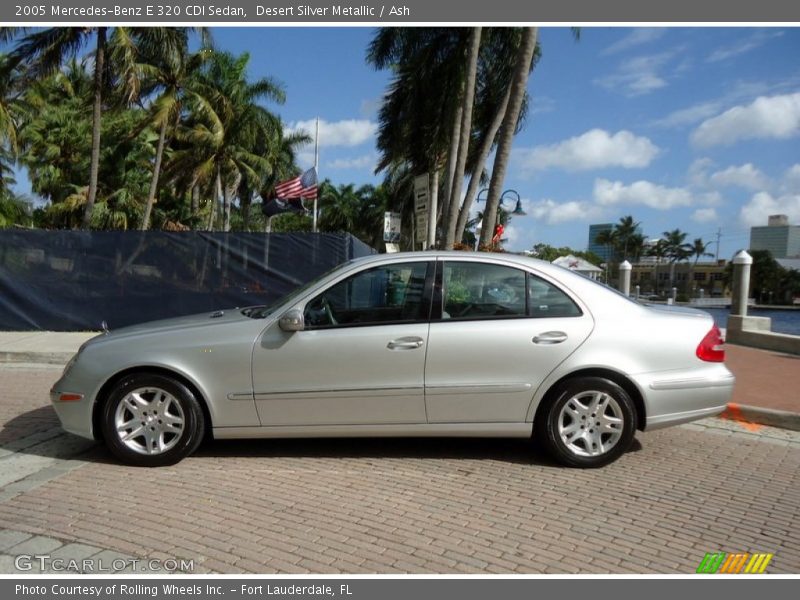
(292, 320)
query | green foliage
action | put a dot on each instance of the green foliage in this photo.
(550, 253)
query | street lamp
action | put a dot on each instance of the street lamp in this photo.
(518, 211)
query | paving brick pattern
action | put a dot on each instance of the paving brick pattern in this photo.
(419, 506)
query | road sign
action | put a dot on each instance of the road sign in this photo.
(391, 227)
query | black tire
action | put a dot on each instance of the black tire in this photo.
(162, 397)
(580, 449)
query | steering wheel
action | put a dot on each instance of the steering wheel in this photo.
(328, 311)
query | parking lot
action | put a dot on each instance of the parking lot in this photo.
(389, 506)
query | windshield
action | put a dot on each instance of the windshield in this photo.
(260, 312)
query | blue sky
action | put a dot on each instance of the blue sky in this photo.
(696, 128)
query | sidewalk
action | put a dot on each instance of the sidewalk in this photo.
(767, 383)
(49, 347)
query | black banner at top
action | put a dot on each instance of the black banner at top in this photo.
(310, 12)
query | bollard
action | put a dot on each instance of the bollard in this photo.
(625, 277)
(702, 293)
(742, 263)
(674, 294)
(638, 291)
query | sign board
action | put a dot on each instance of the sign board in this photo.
(391, 227)
(421, 194)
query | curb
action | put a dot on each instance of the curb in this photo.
(47, 358)
(744, 413)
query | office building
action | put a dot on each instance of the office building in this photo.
(780, 238)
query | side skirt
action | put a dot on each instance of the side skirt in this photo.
(519, 430)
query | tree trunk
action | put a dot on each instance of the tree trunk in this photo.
(151, 196)
(227, 199)
(246, 202)
(195, 200)
(518, 86)
(432, 209)
(454, 202)
(214, 202)
(94, 169)
(452, 160)
(477, 173)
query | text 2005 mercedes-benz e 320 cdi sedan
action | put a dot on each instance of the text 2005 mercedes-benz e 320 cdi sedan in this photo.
(418, 344)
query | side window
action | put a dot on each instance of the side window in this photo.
(546, 300)
(386, 294)
(482, 291)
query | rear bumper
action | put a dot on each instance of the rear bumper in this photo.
(682, 397)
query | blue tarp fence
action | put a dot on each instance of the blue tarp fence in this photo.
(74, 280)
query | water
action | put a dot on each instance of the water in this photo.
(783, 321)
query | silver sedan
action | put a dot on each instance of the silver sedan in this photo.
(417, 344)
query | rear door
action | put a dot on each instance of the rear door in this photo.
(497, 331)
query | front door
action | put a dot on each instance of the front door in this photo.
(360, 359)
(499, 333)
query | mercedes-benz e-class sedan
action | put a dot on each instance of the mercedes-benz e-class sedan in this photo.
(417, 344)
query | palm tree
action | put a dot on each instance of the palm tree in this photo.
(610, 239)
(676, 250)
(625, 230)
(698, 249)
(44, 52)
(160, 64)
(659, 252)
(496, 68)
(221, 136)
(464, 136)
(417, 120)
(508, 129)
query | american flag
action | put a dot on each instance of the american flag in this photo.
(302, 186)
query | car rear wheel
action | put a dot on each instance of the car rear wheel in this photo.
(151, 420)
(590, 422)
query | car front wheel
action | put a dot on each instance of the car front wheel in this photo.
(589, 423)
(151, 420)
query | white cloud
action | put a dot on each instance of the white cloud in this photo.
(347, 132)
(698, 172)
(743, 44)
(367, 161)
(791, 178)
(762, 205)
(595, 149)
(705, 215)
(774, 117)
(607, 193)
(640, 75)
(636, 37)
(745, 176)
(552, 212)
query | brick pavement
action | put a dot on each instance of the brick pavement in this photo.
(398, 506)
(764, 378)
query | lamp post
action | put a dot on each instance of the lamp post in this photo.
(518, 210)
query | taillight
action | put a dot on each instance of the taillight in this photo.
(710, 349)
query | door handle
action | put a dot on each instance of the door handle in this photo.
(550, 337)
(405, 343)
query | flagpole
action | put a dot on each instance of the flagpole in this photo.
(316, 169)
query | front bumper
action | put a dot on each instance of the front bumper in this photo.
(75, 415)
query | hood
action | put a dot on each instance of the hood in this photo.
(207, 319)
